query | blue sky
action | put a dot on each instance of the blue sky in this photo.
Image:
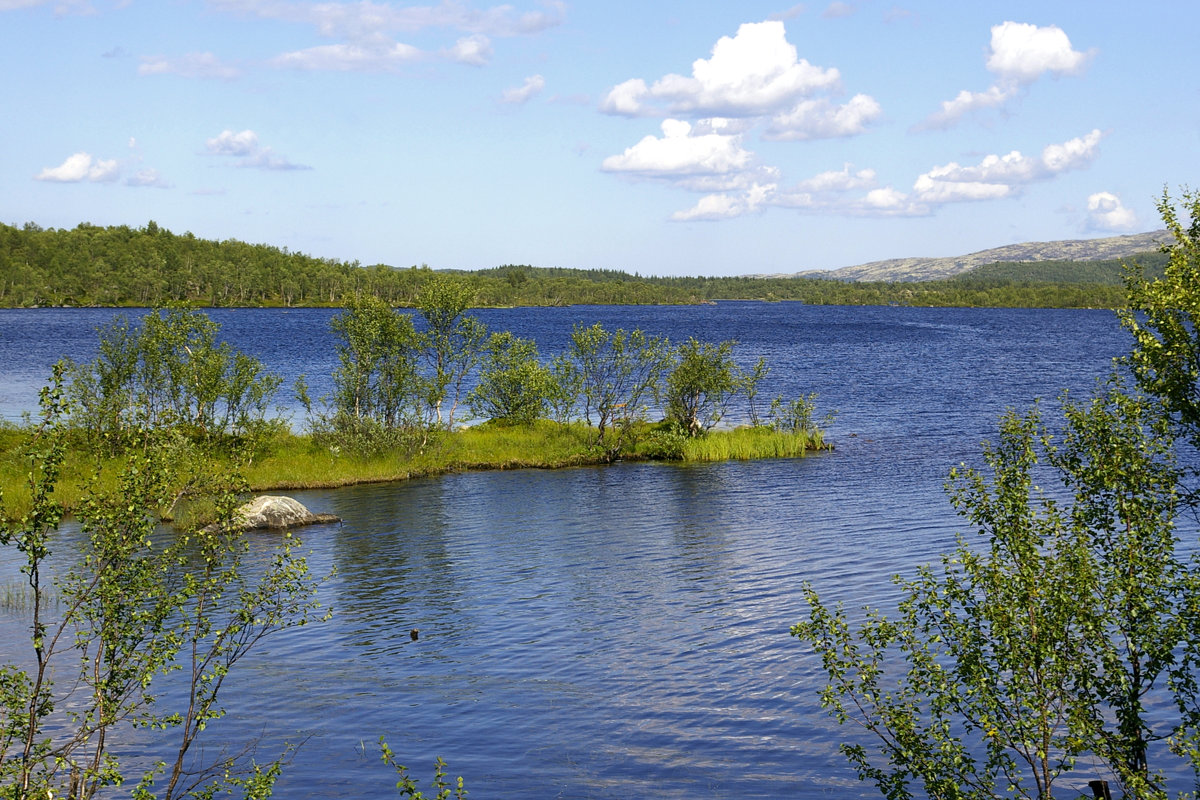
(666, 138)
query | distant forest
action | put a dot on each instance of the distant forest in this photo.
(122, 266)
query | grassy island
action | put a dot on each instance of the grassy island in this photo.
(402, 390)
(289, 461)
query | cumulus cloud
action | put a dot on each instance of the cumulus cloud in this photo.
(192, 65)
(475, 50)
(834, 181)
(1023, 53)
(1107, 213)
(753, 73)
(533, 86)
(966, 102)
(727, 206)
(244, 146)
(821, 119)
(679, 153)
(82, 167)
(754, 80)
(1019, 54)
(228, 143)
(854, 192)
(1002, 176)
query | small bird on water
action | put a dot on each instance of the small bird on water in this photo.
(413, 634)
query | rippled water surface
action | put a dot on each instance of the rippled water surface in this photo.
(622, 632)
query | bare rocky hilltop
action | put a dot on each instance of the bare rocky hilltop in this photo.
(932, 269)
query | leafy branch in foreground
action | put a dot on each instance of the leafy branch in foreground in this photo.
(134, 605)
(1048, 643)
(408, 787)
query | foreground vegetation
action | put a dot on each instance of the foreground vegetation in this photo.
(1065, 638)
(122, 266)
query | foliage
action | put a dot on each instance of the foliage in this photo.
(700, 385)
(514, 387)
(618, 373)
(130, 610)
(1046, 644)
(408, 787)
(168, 371)
(1163, 314)
(377, 385)
(748, 383)
(796, 416)
(150, 266)
(452, 343)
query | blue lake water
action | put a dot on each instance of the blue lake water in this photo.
(622, 632)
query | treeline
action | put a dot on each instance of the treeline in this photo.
(150, 266)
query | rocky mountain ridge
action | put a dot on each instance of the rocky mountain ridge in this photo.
(932, 269)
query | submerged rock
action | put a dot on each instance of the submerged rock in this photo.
(276, 512)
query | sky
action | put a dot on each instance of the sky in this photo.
(665, 138)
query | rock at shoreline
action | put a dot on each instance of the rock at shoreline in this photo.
(277, 512)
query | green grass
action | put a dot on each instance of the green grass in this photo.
(742, 444)
(289, 461)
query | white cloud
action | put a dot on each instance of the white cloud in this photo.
(250, 154)
(365, 19)
(853, 192)
(838, 9)
(1074, 154)
(842, 180)
(61, 7)
(228, 143)
(1001, 176)
(754, 73)
(475, 50)
(1107, 213)
(533, 85)
(626, 99)
(726, 206)
(1020, 53)
(366, 30)
(1023, 53)
(754, 79)
(966, 102)
(710, 207)
(149, 178)
(81, 167)
(891, 202)
(349, 57)
(820, 119)
(790, 13)
(192, 65)
(678, 153)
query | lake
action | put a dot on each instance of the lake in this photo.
(622, 631)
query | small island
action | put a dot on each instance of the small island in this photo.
(414, 395)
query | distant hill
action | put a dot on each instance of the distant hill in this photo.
(1105, 272)
(1113, 248)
